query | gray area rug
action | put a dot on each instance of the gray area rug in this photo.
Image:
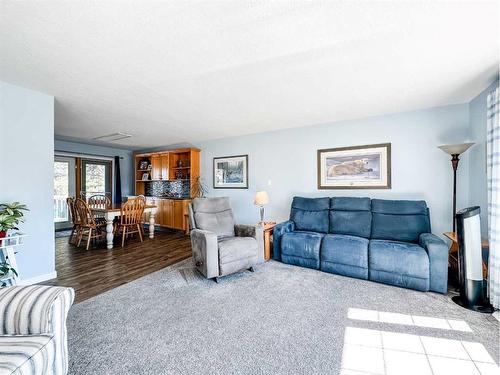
(62, 233)
(280, 319)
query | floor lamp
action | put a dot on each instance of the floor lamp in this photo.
(455, 151)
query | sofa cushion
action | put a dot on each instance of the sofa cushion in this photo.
(398, 263)
(27, 354)
(345, 255)
(301, 248)
(351, 216)
(310, 214)
(214, 215)
(235, 248)
(399, 220)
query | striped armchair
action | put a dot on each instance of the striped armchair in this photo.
(33, 329)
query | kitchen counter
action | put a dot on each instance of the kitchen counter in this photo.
(172, 212)
(152, 197)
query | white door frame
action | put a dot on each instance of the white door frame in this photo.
(71, 186)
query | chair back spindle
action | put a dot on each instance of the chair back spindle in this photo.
(99, 201)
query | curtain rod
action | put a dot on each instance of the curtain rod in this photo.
(69, 153)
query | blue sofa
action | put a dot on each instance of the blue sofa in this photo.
(387, 241)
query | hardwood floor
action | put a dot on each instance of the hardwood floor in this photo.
(97, 270)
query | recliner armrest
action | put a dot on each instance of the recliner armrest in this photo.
(278, 231)
(255, 231)
(205, 252)
(437, 250)
(244, 230)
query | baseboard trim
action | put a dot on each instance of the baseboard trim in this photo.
(37, 279)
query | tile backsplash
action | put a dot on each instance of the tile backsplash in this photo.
(174, 188)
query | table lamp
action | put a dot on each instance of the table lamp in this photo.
(261, 199)
(455, 151)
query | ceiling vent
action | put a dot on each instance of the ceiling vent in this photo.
(112, 137)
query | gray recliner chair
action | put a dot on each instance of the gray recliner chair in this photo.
(219, 246)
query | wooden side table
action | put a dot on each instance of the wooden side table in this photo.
(268, 233)
(453, 254)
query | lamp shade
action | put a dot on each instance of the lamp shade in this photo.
(456, 149)
(261, 198)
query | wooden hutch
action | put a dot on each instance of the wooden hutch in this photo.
(179, 168)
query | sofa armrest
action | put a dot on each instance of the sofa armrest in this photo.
(205, 252)
(29, 310)
(255, 231)
(437, 251)
(35, 310)
(279, 230)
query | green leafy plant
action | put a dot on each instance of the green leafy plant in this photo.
(5, 269)
(199, 189)
(11, 214)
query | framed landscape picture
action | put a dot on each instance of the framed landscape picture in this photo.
(357, 167)
(231, 172)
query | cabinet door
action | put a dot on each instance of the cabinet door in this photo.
(164, 166)
(155, 167)
(167, 212)
(159, 212)
(178, 214)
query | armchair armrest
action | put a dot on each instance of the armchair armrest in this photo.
(279, 230)
(205, 252)
(255, 231)
(437, 251)
(243, 230)
(34, 309)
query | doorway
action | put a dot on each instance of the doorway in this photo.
(79, 177)
(64, 187)
(95, 178)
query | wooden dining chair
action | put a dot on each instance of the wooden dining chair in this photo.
(99, 201)
(131, 218)
(143, 219)
(89, 227)
(70, 201)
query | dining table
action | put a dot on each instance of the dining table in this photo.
(109, 213)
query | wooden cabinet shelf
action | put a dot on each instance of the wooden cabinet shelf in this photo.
(169, 165)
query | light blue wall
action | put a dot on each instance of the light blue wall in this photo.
(478, 190)
(26, 172)
(126, 163)
(287, 160)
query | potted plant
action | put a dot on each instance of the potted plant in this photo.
(11, 214)
(5, 270)
(199, 190)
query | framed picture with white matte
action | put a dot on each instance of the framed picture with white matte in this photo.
(231, 172)
(355, 167)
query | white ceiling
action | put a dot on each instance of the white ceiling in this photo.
(184, 71)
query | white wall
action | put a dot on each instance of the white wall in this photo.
(478, 189)
(287, 159)
(26, 172)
